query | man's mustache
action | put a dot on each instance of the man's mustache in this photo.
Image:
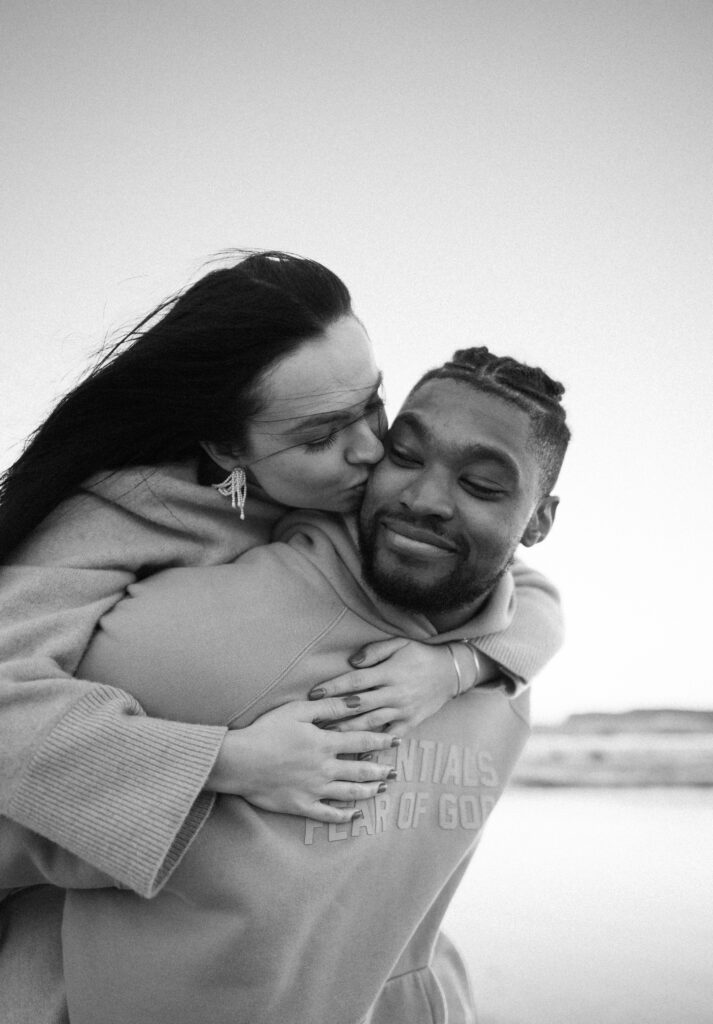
(429, 524)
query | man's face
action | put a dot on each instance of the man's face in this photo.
(456, 492)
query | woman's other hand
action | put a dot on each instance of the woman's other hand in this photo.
(401, 682)
(284, 762)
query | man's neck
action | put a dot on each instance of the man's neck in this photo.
(447, 621)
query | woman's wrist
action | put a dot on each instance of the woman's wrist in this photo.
(477, 664)
(470, 666)
(235, 764)
(465, 667)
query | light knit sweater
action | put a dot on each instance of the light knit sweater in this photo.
(80, 763)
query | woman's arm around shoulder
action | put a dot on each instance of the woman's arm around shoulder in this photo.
(80, 763)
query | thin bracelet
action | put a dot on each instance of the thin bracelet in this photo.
(470, 644)
(458, 672)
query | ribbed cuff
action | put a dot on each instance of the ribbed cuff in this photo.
(120, 790)
(521, 661)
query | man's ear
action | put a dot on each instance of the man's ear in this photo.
(221, 455)
(541, 521)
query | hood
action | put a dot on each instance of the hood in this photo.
(330, 542)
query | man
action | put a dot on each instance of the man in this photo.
(269, 918)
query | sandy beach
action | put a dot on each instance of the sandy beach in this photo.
(591, 906)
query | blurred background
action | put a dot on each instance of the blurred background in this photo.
(534, 176)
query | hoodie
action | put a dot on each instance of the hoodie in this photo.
(270, 918)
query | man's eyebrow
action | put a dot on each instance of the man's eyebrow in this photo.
(335, 415)
(464, 450)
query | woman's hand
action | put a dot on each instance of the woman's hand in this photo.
(284, 762)
(400, 682)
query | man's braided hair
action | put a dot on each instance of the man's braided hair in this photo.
(527, 387)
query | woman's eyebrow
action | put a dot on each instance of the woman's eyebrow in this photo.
(335, 415)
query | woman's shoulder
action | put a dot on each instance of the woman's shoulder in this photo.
(173, 496)
(146, 517)
(134, 517)
(166, 495)
(169, 500)
(145, 486)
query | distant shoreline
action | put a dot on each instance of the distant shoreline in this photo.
(642, 748)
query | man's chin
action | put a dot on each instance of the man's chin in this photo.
(408, 592)
(445, 594)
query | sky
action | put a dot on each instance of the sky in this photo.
(534, 176)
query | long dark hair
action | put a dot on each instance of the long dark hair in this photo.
(189, 372)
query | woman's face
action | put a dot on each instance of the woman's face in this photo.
(319, 431)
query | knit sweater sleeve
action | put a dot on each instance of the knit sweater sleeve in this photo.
(80, 763)
(28, 859)
(535, 632)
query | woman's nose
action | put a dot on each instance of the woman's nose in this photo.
(364, 445)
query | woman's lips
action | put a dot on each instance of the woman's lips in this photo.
(417, 540)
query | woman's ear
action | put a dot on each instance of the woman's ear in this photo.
(221, 455)
(541, 521)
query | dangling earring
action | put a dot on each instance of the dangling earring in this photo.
(235, 487)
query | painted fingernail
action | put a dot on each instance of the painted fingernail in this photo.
(392, 774)
(317, 693)
(357, 814)
(382, 787)
(395, 741)
(352, 702)
(356, 659)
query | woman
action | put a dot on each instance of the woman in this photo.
(120, 482)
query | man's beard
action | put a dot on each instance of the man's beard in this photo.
(408, 591)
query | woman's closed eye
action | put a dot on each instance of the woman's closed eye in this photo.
(322, 443)
(373, 414)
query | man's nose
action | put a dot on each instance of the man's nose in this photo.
(364, 445)
(429, 494)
